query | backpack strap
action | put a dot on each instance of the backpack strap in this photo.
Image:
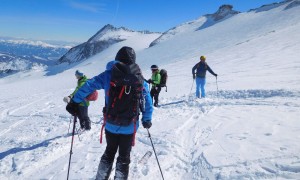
(122, 92)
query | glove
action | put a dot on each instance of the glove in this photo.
(150, 81)
(216, 75)
(194, 76)
(72, 108)
(147, 124)
(67, 99)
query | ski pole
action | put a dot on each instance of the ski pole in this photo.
(69, 124)
(155, 154)
(73, 133)
(192, 86)
(148, 83)
(217, 87)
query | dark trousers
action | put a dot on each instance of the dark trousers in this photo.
(114, 142)
(83, 117)
(154, 94)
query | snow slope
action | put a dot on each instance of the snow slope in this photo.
(248, 129)
(224, 12)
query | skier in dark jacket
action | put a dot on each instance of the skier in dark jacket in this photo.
(200, 74)
(117, 136)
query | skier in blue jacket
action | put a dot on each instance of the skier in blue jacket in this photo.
(117, 137)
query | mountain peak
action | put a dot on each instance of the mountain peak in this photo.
(109, 27)
(104, 38)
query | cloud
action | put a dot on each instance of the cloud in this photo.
(91, 7)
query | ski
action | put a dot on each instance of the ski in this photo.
(145, 158)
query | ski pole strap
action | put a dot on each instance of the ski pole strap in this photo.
(101, 133)
(102, 128)
(134, 132)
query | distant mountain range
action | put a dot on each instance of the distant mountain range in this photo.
(11, 64)
(18, 54)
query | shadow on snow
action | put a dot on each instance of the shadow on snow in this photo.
(20, 149)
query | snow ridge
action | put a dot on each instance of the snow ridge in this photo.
(224, 12)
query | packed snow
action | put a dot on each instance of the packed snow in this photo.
(246, 128)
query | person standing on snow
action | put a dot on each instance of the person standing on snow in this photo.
(119, 129)
(81, 110)
(155, 81)
(200, 74)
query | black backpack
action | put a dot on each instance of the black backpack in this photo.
(125, 94)
(164, 77)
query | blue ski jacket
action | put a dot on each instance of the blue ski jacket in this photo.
(102, 81)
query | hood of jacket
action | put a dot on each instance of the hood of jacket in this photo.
(126, 55)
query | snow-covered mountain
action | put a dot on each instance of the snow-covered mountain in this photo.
(223, 13)
(267, 7)
(21, 54)
(104, 38)
(246, 128)
(11, 64)
(31, 49)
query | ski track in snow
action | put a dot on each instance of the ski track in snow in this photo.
(179, 156)
(178, 149)
(9, 113)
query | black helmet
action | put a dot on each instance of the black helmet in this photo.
(154, 67)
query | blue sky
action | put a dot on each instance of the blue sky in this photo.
(78, 20)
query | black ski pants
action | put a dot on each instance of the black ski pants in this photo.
(154, 94)
(83, 117)
(114, 142)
